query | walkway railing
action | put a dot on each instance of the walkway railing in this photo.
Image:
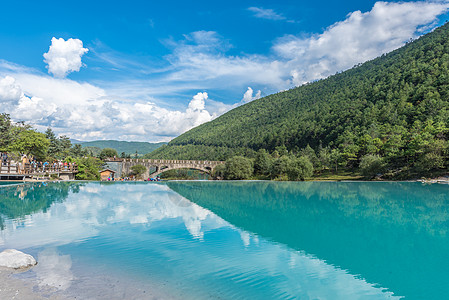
(31, 169)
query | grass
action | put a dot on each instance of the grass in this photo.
(336, 176)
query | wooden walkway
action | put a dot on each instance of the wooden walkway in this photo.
(16, 170)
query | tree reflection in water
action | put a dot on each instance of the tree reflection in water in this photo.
(393, 234)
(17, 201)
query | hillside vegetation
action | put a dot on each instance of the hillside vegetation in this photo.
(393, 110)
(122, 146)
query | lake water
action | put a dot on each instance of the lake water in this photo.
(232, 240)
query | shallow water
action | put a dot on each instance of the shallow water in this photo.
(232, 240)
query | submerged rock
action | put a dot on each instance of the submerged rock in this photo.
(15, 259)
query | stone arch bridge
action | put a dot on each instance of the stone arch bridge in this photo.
(162, 165)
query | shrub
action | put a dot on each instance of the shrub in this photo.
(238, 167)
(138, 170)
(371, 165)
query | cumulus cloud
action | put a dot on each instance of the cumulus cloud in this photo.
(360, 37)
(264, 13)
(20, 106)
(9, 90)
(86, 112)
(248, 96)
(197, 103)
(64, 57)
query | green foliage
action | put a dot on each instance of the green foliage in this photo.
(184, 174)
(371, 165)
(93, 151)
(238, 167)
(199, 152)
(6, 136)
(108, 152)
(59, 147)
(262, 162)
(430, 161)
(78, 151)
(219, 171)
(291, 168)
(138, 170)
(31, 142)
(88, 168)
(300, 169)
(395, 106)
(123, 146)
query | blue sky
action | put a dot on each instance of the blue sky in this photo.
(150, 70)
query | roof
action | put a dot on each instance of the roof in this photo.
(107, 170)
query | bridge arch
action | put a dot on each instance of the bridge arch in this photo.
(162, 170)
(165, 165)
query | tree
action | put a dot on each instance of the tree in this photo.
(262, 162)
(6, 136)
(88, 168)
(59, 147)
(280, 167)
(107, 152)
(371, 165)
(324, 158)
(310, 153)
(32, 143)
(53, 147)
(219, 171)
(336, 158)
(78, 151)
(138, 170)
(300, 168)
(429, 161)
(238, 167)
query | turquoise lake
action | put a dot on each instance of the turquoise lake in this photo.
(231, 240)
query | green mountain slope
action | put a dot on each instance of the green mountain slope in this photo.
(395, 106)
(122, 146)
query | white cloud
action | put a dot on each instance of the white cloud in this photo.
(264, 13)
(86, 112)
(200, 59)
(9, 90)
(248, 96)
(64, 57)
(197, 103)
(361, 37)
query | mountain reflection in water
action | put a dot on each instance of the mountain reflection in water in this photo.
(392, 234)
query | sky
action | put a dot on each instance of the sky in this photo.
(151, 70)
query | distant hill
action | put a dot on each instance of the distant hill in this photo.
(395, 106)
(122, 146)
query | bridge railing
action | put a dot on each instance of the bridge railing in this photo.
(168, 161)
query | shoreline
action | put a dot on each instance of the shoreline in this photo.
(440, 179)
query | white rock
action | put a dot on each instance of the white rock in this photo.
(12, 258)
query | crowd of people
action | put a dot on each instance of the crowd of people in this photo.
(28, 164)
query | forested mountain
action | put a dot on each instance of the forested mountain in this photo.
(395, 107)
(122, 146)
